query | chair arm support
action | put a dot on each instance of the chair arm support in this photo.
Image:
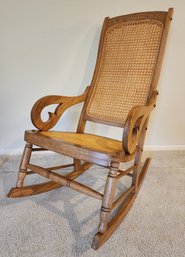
(64, 102)
(135, 123)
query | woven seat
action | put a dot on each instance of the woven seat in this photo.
(122, 94)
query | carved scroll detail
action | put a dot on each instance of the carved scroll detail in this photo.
(64, 102)
(135, 123)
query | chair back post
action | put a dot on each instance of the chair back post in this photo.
(160, 58)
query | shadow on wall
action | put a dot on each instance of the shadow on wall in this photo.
(90, 60)
(70, 118)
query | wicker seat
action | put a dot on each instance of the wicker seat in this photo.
(123, 94)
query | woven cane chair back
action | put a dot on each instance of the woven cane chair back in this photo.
(125, 72)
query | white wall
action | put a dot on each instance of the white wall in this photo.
(49, 47)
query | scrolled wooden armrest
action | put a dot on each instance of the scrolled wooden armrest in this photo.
(135, 123)
(64, 102)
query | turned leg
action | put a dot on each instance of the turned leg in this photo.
(137, 161)
(77, 164)
(25, 160)
(108, 197)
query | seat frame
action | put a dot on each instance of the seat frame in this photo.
(134, 133)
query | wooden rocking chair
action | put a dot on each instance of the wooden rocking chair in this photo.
(123, 94)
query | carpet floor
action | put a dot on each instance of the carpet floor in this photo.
(62, 223)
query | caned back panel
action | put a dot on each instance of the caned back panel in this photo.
(127, 65)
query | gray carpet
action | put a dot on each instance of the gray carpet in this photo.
(63, 222)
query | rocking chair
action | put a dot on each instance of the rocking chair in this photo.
(122, 94)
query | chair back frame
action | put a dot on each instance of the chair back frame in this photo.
(164, 18)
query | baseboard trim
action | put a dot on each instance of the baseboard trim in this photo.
(164, 147)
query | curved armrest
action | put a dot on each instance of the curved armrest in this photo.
(135, 123)
(64, 102)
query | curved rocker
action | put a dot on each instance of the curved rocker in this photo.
(122, 94)
(32, 189)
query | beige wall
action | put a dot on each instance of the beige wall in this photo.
(49, 47)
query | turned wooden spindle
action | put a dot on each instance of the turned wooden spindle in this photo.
(24, 161)
(108, 197)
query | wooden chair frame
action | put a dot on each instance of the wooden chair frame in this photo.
(132, 144)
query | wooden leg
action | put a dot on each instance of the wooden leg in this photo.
(137, 162)
(136, 170)
(25, 160)
(77, 164)
(101, 238)
(143, 172)
(108, 197)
